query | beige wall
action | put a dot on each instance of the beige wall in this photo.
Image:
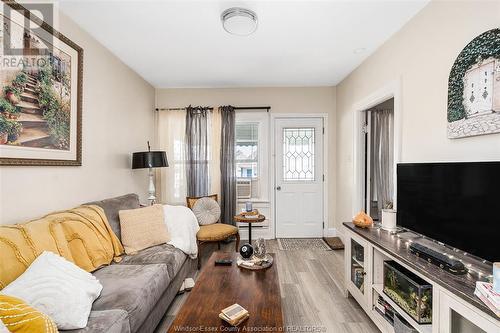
(281, 100)
(117, 119)
(420, 56)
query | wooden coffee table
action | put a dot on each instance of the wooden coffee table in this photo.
(218, 287)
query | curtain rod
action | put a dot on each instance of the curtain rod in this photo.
(267, 108)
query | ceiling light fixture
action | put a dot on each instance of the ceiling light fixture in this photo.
(239, 21)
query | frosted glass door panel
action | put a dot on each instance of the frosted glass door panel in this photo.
(298, 154)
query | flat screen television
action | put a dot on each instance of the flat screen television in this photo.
(455, 203)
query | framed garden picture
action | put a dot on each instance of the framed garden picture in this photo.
(40, 89)
(474, 88)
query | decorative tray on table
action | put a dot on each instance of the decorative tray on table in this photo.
(255, 263)
(250, 213)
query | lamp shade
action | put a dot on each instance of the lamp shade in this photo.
(149, 159)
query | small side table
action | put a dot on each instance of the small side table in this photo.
(243, 219)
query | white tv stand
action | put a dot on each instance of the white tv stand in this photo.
(455, 309)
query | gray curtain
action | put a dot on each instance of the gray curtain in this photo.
(197, 151)
(227, 165)
(383, 156)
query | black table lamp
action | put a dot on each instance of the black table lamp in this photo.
(150, 159)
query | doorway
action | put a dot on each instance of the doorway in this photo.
(378, 131)
(299, 177)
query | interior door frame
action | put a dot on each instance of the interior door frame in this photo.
(390, 90)
(326, 230)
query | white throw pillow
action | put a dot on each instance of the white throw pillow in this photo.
(3, 329)
(182, 226)
(58, 288)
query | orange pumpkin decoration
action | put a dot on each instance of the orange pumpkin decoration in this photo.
(362, 220)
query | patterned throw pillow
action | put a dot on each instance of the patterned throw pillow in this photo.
(143, 228)
(17, 316)
(207, 211)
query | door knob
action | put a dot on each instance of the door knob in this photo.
(278, 188)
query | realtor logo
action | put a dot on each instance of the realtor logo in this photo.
(22, 33)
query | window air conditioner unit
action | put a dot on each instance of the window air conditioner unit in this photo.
(244, 188)
(255, 188)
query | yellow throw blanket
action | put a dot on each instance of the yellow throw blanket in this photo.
(81, 235)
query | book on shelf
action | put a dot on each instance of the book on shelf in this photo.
(486, 289)
(234, 314)
(380, 307)
(385, 316)
(385, 310)
(495, 310)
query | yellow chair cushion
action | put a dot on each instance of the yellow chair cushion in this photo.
(19, 317)
(216, 232)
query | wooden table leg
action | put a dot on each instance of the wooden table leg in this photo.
(237, 247)
(250, 233)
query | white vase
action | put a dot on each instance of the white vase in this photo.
(389, 219)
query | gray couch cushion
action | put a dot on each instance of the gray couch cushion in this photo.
(112, 206)
(133, 288)
(159, 254)
(107, 321)
(188, 269)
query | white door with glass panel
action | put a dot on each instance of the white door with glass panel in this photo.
(299, 177)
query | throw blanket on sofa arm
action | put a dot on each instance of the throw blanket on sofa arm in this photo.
(81, 235)
(182, 226)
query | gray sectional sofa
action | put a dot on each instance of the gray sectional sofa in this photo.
(138, 290)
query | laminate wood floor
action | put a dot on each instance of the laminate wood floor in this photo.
(311, 285)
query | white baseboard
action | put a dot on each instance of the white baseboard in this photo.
(266, 233)
(340, 234)
(256, 233)
(330, 232)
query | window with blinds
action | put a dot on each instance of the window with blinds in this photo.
(247, 159)
(247, 150)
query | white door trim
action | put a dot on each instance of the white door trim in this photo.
(272, 185)
(388, 91)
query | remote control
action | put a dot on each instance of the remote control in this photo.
(223, 262)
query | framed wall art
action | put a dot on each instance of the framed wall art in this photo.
(40, 89)
(474, 88)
